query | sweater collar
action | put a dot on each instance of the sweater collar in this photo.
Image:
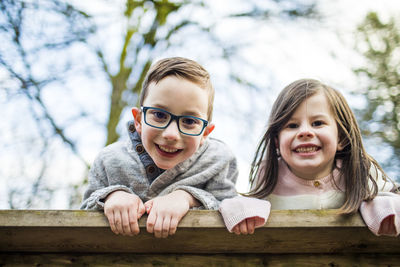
(333, 177)
(152, 171)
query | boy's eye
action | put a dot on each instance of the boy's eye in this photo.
(188, 121)
(159, 115)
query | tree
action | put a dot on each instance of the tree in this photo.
(47, 57)
(380, 45)
(149, 30)
(34, 34)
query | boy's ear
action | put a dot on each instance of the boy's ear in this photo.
(137, 115)
(206, 132)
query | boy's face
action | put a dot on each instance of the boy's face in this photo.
(168, 147)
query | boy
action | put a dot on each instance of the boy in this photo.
(168, 164)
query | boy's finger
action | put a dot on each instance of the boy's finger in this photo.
(173, 225)
(150, 222)
(158, 226)
(118, 222)
(141, 210)
(148, 205)
(165, 227)
(126, 227)
(110, 217)
(133, 222)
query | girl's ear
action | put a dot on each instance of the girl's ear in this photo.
(341, 144)
(276, 142)
(137, 115)
(206, 132)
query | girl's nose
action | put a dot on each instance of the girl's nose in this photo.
(172, 131)
(305, 132)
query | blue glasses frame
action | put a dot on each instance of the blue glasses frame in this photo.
(174, 118)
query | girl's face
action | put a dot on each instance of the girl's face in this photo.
(309, 140)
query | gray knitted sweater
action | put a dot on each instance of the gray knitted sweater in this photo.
(209, 175)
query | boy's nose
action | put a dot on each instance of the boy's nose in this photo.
(172, 131)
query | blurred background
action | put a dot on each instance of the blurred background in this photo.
(70, 71)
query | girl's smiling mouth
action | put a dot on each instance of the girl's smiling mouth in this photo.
(306, 149)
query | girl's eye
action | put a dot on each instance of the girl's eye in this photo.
(317, 123)
(292, 125)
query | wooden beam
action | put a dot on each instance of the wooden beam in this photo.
(200, 260)
(194, 219)
(200, 232)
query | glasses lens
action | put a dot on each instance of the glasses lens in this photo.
(190, 125)
(157, 118)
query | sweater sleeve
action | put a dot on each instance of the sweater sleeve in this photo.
(237, 209)
(221, 177)
(99, 187)
(377, 214)
(210, 176)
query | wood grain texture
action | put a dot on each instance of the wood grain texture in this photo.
(194, 219)
(200, 232)
(310, 260)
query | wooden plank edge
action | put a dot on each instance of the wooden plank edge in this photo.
(193, 219)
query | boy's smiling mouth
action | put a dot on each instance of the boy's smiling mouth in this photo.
(168, 150)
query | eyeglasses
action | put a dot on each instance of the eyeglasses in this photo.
(161, 119)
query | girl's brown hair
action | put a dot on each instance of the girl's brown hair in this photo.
(356, 163)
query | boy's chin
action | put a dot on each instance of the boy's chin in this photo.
(166, 165)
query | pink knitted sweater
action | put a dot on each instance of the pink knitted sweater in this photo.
(292, 192)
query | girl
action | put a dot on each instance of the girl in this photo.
(312, 157)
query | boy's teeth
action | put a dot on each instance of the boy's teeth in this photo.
(306, 149)
(169, 150)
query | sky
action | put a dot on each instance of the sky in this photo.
(275, 54)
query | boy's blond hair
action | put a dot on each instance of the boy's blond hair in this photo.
(181, 68)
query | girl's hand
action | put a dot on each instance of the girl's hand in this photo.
(123, 210)
(381, 214)
(245, 227)
(387, 226)
(165, 212)
(243, 214)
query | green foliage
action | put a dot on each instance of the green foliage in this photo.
(149, 27)
(380, 45)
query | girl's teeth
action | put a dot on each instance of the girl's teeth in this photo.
(306, 149)
(169, 150)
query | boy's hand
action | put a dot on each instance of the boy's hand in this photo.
(165, 212)
(245, 227)
(123, 211)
